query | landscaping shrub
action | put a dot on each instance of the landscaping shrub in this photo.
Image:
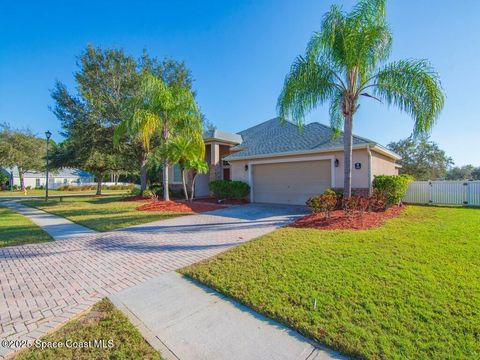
(228, 189)
(393, 187)
(326, 203)
(377, 202)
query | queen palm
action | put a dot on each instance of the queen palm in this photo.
(344, 61)
(162, 110)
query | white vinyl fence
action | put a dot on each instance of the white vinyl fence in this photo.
(444, 192)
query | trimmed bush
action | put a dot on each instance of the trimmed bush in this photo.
(392, 187)
(326, 203)
(228, 189)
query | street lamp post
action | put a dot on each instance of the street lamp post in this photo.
(48, 134)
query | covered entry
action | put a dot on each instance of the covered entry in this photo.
(289, 181)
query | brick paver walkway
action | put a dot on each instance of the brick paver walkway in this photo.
(44, 285)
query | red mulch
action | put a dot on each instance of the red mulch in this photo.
(338, 220)
(179, 206)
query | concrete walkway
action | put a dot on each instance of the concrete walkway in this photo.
(43, 285)
(57, 227)
(187, 321)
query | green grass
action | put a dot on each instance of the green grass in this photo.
(99, 213)
(407, 290)
(16, 229)
(51, 192)
(103, 321)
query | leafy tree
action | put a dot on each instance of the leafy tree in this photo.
(21, 148)
(421, 158)
(467, 172)
(344, 61)
(172, 73)
(164, 110)
(106, 79)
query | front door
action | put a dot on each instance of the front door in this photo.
(226, 173)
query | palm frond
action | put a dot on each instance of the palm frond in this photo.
(336, 115)
(308, 85)
(414, 87)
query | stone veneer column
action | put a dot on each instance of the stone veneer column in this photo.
(215, 166)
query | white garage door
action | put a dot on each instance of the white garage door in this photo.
(290, 183)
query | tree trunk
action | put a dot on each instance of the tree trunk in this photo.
(166, 195)
(184, 183)
(347, 146)
(143, 174)
(22, 180)
(99, 184)
(193, 186)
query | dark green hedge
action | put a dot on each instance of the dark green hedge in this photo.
(393, 187)
(227, 189)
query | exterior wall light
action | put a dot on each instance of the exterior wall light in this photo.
(246, 167)
(337, 163)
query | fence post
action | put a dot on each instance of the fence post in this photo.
(430, 192)
(467, 193)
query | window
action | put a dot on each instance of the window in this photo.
(177, 174)
(37, 183)
(65, 181)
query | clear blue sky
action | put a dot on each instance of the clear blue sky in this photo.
(239, 53)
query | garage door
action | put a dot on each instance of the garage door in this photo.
(290, 183)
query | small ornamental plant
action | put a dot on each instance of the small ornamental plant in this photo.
(325, 203)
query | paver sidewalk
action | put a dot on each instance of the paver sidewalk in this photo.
(187, 321)
(43, 285)
(57, 227)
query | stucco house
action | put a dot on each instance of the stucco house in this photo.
(57, 178)
(285, 166)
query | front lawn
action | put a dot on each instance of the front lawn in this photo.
(99, 213)
(52, 192)
(16, 229)
(102, 322)
(407, 290)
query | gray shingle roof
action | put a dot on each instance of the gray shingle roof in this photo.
(223, 136)
(270, 137)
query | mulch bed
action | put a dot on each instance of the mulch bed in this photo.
(339, 220)
(179, 206)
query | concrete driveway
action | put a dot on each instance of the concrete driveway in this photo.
(44, 285)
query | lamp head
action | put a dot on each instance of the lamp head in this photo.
(48, 134)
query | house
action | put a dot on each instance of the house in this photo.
(287, 166)
(57, 178)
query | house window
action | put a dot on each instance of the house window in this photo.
(65, 181)
(37, 183)
(177, 174)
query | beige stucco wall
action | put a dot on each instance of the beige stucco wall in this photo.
(382, 165)
(359, 177)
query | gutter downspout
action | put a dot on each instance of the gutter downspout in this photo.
(369, 170)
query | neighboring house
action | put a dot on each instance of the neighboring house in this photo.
(56, 179)
(285, 166)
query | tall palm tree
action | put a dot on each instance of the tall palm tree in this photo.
(344, 61)
(163, 110)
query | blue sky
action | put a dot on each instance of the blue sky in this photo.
(239, 53)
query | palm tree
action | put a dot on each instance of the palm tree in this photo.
(345, 60)
(186, 152)
(162, 110)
